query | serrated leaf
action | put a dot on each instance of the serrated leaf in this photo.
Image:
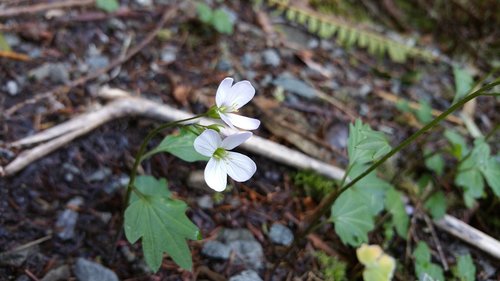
(180, 145)
(424, 268)
(221, 22)
(301, 17)
(205, 13)
(352, 218)
(160, 222)
(364, 144)
(422, 253)
(459, 145)
(436, 205)
(371, 189)
(424, 113)
(491, 172)
(291, 14)
(326, 30)
(463, 83)
(395, 206)
(435, 163)
(378, 265)
(107, 5)
(465, 269)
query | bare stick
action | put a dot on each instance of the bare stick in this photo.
(43, 7)
(169, 14)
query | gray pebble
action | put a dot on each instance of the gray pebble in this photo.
(294, 85)
(248, 253)
(168, 54)
(271, 57)
(56, 72)
(205, 202)
(230, 235)
(12, 88)
(90, 271)
(66, 222)
(247, 275)
(216, 250)
(280, 234)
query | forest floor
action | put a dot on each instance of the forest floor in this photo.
(73, 198)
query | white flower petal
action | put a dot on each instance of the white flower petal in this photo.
(239, 167)
(206, 143)
(216, 174)
(234, 140)
(242, 122)
(223, 91)
(226, 120)
(239, 95)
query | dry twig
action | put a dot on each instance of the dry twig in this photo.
(31, 9)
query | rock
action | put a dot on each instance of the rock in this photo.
(294, 85)
(247, 275)
(99, 175)
(230, 235)
(196, 180)
(56, 72)
(271, 57)
(97, 61)
(18, 256)
(281, 235)
(223, 65)
(168, 54)
(66, 222)
(364, 90)
(61, 273)
(248, 253)
(216, 250)
(247, 60)
(12, 88)
(117, 183)
(205, 202)
(146, 3)
(90, 271)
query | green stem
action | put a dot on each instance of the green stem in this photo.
(142, 149)
(326, 203)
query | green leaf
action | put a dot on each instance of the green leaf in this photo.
(378, 265)
(364, 144)
(435, 163)
(491, 172)
(465, 269)
(463, 83)
(395, 206)
(107, 5)
(161, 222)
(424, 268)
(424, 113)
(352, 218)
(436, 205)
(221, 22)
(204, 12)
(458, 143)
(371, 189)
(180, 145)
(4, 45)
(403, 105)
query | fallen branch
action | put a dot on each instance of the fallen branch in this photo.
(43, 7)
(124, 105)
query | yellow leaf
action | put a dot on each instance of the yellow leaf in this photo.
(378, 265)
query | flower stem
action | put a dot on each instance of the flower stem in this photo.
(327, 202)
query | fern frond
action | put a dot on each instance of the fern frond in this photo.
(349, 35)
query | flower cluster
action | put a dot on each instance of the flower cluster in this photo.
(223, 162)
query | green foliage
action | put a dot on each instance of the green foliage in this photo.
(352, 218)
(395, 206)
(434, 162)
(424, 113)
(365, 145)
(473, 168)
(436, 205)
(348, 34)
(315, 185)
(161, 222)
(180, 145)
(464, 270)
(4, 45)
(424, 268)
(107, 5)
(378, 265)
(332, 268)
(458, 144)
(371, 189)
(463, 83)
(217, 18)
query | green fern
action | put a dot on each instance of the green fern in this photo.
(349, 35)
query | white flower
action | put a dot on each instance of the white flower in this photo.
(229, 98)
(223, 162)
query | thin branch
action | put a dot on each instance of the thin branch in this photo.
(31, 9)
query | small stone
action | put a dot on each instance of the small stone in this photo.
(281, 235)
(205, 202)
(247, 275)
(56, 72)
(58, 274)
(224, 65)
(99, 175)
(216, 250)
(12, 88)
(248, 253)
(364, 90)
(247, 60)
(97, 62)
(66, 222)
(90, 271)
(230, 235)
(145, 3)
(271, 57)
(294, 85)
(196, 180)
(168, 54)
